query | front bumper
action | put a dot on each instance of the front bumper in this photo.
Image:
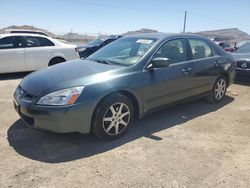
(59, 119)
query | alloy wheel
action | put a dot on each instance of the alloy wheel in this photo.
(220, 89)
(116, 118)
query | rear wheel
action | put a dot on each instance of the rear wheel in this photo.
(113, 117)
(56, 60)
(219, 90)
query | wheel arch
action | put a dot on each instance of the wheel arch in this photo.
(226, 75)
(56, 57)
(126, 93)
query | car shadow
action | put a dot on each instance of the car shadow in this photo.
(54, 148)
(13, 76)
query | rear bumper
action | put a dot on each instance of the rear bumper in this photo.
(64, 119)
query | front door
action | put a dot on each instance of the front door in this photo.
(172, 83)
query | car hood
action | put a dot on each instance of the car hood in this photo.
(66, 75)
(241, 56)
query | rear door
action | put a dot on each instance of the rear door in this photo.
(206, 65)
(12, 54)
(38, 51)
(172, 83)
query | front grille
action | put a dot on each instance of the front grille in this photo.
(22, 95)
(243, 64)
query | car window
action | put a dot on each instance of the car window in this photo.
(37, 41)
(200, 49)
(96, 42)
(126, 51)
(107, 41)
(226, 45)
(174, 50)
(245, 48)
(10, 42)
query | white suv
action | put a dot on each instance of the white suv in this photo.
(28, 52)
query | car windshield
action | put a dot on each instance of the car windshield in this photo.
(96, 42)
(125, 51)
(245, 48)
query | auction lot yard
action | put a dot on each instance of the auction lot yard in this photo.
(195, 144)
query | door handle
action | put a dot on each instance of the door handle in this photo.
(186, 70)
(216, 63)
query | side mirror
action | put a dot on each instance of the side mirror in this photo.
(159, 62)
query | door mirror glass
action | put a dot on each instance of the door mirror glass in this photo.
(159, 62)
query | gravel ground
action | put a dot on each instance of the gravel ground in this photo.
(195, 144)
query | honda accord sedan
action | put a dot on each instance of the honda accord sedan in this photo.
(125, 80)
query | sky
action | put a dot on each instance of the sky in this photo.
(119, 16)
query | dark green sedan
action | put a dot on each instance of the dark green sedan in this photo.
(126, 79)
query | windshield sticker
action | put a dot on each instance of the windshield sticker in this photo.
(144, 41)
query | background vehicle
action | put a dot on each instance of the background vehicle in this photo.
(239, 44)
(242, 55)
(122, 81)
(93, 46)
(225, 45)
(25, 31)
(28, 52)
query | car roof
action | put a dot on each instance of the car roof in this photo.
(21, 34)
(109, 37)
(161, 36)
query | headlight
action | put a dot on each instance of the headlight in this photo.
(61, 97)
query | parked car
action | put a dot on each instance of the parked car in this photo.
(242, 55)
(25, 31)
(122, 81)
(93, 46)
(225, 45)
(239, 44)
(28, 52)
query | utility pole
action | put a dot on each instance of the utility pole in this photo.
(184, 25)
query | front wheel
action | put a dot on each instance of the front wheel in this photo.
(219, 90)
(113, 117)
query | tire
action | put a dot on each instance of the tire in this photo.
(113, 117)
(56, 60)
(219, 90)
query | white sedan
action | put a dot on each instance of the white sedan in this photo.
(28, 52)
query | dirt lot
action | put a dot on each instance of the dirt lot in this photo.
(190, 145)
